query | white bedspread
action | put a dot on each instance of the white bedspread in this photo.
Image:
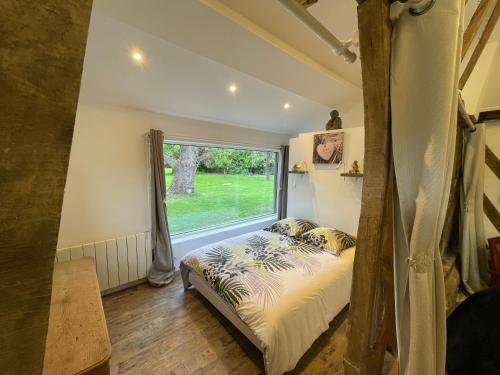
(288, 302)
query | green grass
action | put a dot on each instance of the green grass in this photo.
(219, 199)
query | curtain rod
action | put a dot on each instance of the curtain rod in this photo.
(339, 47)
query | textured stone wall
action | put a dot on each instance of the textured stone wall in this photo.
(42, 44)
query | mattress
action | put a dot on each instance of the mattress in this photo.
(284, 290)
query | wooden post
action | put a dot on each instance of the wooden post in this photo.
(371, 315)
(42, 45)
(449, 229)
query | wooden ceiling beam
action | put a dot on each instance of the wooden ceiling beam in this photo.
(492, 161)
(491, 212)
(489, 116)
(485, 36)
(307, 3)
(474, 24)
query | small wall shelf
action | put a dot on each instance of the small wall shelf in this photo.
(298, 172)
(351, 174)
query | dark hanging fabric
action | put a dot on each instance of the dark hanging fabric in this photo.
(162, 270)
(283, 189)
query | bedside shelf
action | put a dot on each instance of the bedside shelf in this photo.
(351, 174)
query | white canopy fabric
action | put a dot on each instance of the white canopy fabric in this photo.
(473, 252)
(424, 95)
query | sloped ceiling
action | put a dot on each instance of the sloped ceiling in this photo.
(194, 49)
(339, 17)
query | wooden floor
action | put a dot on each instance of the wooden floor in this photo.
(169, 331)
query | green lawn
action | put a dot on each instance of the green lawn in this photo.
(219, 199)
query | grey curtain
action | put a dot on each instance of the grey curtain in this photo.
(473, 251)
(283, 189)
(162, 271)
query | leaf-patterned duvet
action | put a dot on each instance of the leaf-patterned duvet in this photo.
(285, 290)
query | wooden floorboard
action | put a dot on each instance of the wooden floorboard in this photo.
(169, 331)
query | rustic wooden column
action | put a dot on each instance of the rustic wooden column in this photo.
(371, 315)
(42, 46)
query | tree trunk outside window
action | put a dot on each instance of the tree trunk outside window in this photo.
(184, 169)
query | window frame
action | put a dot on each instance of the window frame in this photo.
(277, 183)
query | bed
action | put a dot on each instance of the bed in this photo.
(280, 292)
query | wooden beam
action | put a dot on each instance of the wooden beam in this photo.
(491, 212)
(367, 318)
(474, 24)
(391, 1)
(384, 312)
(485, 36)
(492, 161)
(453, 202)
(489, 116)
(42, 45)
(307, 3)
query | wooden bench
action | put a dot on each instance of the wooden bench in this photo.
(77, 338)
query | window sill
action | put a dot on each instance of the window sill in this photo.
(184, 243)
(202, 233)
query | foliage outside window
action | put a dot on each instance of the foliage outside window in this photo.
(212, 186)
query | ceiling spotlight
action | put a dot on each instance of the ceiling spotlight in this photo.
(286, 105)
(137, 56)
(232, 88)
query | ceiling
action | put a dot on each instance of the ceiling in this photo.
(177, 81)
(194, 49)
(339, 17)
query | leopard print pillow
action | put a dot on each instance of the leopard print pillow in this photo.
(329, 239)
(291, 226)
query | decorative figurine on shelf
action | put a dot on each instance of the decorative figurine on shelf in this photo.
(335, 121)
(355, 168)
(300, 167)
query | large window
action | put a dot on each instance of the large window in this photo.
(210, 186)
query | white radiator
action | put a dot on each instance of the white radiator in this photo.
(119, 261)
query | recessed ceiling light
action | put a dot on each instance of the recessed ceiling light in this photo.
(232, 88)
(137, 56)
(286, 105)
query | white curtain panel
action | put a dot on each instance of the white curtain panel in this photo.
(473, 256)
(424, 93)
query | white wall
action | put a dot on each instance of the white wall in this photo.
(490, 97)
(475, 90)
(106, 188)
(323, 196)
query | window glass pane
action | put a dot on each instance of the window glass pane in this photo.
(211, 186)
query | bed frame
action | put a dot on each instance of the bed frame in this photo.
(207, 292)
